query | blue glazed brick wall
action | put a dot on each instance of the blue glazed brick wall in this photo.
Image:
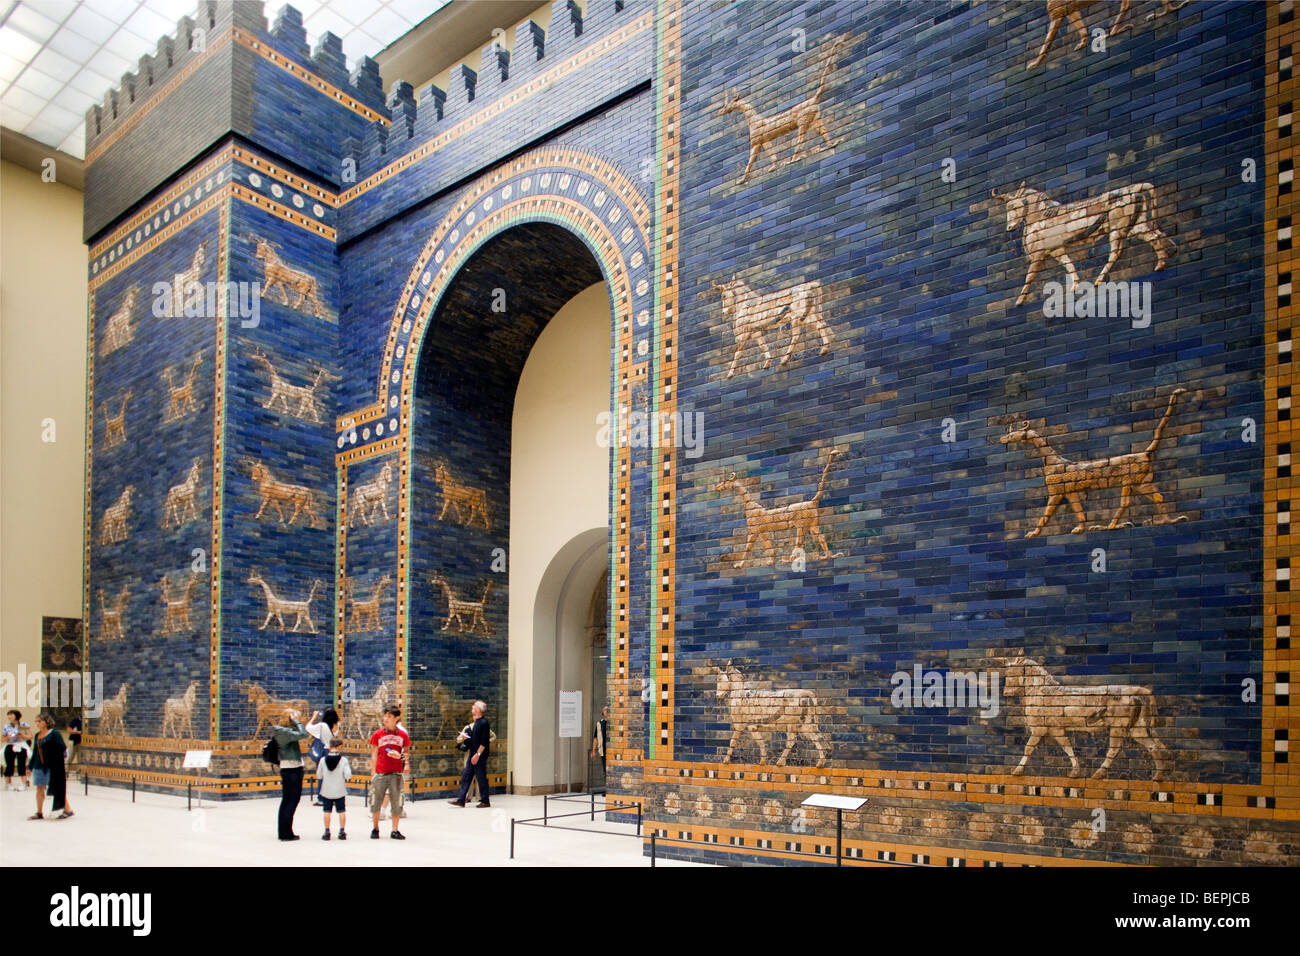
(919, 278)
(291, 440)
(161, 442)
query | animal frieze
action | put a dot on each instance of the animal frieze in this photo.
(801, 517)
(805, 117)
(1071, 481)
(1054, 231)
(1056, 709)
(754, 316)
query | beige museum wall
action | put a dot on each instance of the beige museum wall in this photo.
(42, 375)
(559, 489)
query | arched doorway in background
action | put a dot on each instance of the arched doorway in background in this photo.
(506, 470)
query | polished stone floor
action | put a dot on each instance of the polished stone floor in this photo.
(109, 830)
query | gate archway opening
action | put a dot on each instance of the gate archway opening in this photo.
(505, 470)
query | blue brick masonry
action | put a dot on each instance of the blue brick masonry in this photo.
(919, 277)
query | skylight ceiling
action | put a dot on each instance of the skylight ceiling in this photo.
(59, 57)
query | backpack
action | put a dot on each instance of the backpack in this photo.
(271, 752)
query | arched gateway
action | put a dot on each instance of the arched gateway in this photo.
(518, 243)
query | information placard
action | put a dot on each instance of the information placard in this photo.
(197, 759)
(570, 713)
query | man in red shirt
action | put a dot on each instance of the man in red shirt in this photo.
(388, 751)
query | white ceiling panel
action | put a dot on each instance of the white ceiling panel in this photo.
(116, 10)
(75, 144)
(60, 116)
(90, 24)
(37, 83)
(9, 69)
(73, 45)
(111, 63)
(358, 11)
(33, 25)
(172, 10)
(27, 103)
(56, 10)
(148, 24)
(416, 10)
(18, 45)
(327, 19)
(386, 23)
(13, 119)
(91, 84)
(56, 65)
(358, 43)
(71, 98)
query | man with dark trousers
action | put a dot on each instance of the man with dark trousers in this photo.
(480, 742)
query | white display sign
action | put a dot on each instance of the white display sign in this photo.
(198, 759)
(834, 801)
(570, 713)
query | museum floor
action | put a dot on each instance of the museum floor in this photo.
(108, 830)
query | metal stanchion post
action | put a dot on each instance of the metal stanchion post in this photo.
(839, 836)
(512, 838)
(189, 805)
(86, 778)
(593, 803)
(545, 812)
(652, 850)
(133, 789)
(638, 819)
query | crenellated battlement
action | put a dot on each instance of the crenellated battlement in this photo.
(228, 69)
(173, 58)
(537, 56)
(210, 32)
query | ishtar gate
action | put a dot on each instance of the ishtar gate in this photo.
(888, 400)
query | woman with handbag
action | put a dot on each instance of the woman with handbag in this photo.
(286, 739)
(48, 752)
(323, 728)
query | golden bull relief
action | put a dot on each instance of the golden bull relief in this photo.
(1053, 709)
(765, 714)
(112, 716)
(1052, 229)
(178, 713)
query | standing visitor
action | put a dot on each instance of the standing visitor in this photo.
(333, 770)
(406, 809)
(74, 740)
(600, 736)
(480, 742)
(323, 728)
(388, 752)
(286, 741)
(48, 751)
(16, 735)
